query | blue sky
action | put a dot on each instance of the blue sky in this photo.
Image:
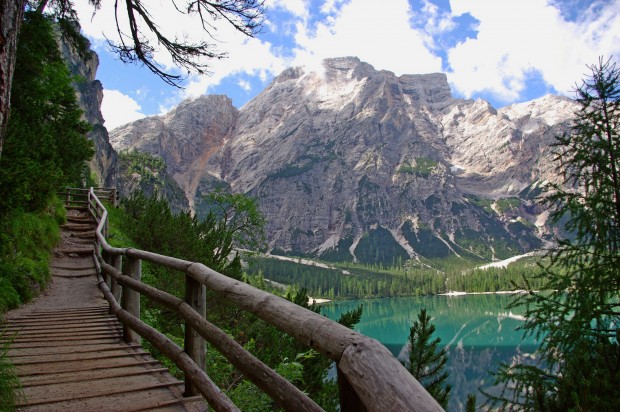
(504, 51)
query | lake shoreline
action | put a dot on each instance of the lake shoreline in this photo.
(499, 292)
(317, 301)
(479, 332)
(448, 294)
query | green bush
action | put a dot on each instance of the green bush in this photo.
(26, 240)
(507, 204)
(10, 389)
(422, 166)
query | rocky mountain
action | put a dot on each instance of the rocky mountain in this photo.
(82, 63)
(358, 164)
(186, 138)
(108, 168)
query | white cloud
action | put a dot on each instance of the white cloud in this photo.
(518, 38)
(380, 35)
(329, 6)
(118, 109)
(515, 38)
(245, 85)
(298, 8)
(434, 20)
(248, 56)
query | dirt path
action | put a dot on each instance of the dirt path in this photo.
(69, 352)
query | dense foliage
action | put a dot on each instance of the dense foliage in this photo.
(577, 321)
(241, 216)
(26, 241)
(147, 173)
(426, 362)
(150, 168)
(45, 146)
(10, 390)
(150, 221)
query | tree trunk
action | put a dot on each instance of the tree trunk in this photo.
(11, 15)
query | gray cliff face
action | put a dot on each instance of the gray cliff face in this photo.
(186, 138)
(113, 170)
(501, 152)
(358, 164)
(90, 95)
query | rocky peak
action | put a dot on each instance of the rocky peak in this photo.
(337, 69)
(432, 89)
(501, 152)
(548, 110)
(346, 158)
(186, 137)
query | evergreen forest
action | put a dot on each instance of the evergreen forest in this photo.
(347, 280)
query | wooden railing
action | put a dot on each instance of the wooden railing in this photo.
(75, 196)
(369, 377)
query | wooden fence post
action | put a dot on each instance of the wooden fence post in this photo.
(107, 259)
(114, 287)
(195, 296)
(113, 197)
(130, 300)
(349, 401)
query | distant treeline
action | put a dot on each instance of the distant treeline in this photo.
(360, 281)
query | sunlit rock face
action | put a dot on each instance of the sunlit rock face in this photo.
(351, 163)
(186, 138)
(501, 152)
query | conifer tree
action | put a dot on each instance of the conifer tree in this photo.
(46, 145)
(577, 318)
(470, 404)
(426, 360)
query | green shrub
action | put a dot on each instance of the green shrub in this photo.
(422, 166)
(10, 389)
(26, 241)
(9, 297)
(507, 204)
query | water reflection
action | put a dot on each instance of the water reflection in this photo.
(477, 330)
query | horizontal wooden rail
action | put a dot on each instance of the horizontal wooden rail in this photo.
(207, 388)
(108, 193)
(282, 391)
(369, 377)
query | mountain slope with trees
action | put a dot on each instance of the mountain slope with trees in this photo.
(45, 121)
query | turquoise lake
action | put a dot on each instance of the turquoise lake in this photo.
(477, 330)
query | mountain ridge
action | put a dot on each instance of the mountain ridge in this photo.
(363, 165)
